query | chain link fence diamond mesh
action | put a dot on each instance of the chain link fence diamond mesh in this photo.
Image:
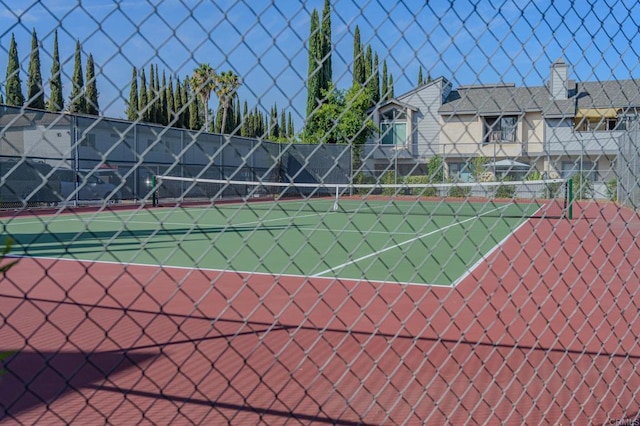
(250, 212)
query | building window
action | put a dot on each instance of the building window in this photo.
(572, 168)
(394, 133)
(460, 172)
(500, 129)
(89, 141)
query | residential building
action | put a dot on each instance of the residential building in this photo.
(556, 129)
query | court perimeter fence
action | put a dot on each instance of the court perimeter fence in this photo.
(128, 154)
(375, 307)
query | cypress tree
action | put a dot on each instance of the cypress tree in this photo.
(290, 131)
(157, 96)
(178, 105)
(56, 102)
(13, 83)
(384, 91)
(358, 59)
(274, 131)
(35, 89)
(132, 105)
(77, 101)
(429, 80)
(184, 96)
(391, 91)
(92, 89)
(375, 83)
(420, 78)
(142, 99)
(164, 101)
(193, 110)
(325, 45)
(151, 95)
(368, 70)
(283, 125)
(245, 129)
(1, 99)
(171, 108)
(314, 72)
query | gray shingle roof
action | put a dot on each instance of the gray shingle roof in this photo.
(508, 99)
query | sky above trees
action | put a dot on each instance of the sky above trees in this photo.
(264, 42)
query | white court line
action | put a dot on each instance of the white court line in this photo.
(395, 246)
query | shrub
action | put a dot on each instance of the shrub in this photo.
(459, 191)
(612, 189)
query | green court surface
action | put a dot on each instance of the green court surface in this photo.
(385, 242)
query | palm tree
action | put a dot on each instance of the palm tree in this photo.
(227, 84)
(203, 82)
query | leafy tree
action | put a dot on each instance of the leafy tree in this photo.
(56, 102)
(35, 89)
(13, 83)
(435, 169)
(343, 118)
(78, 102)
(204, 81)
(227, 83)
(132, 104)
(92, 89)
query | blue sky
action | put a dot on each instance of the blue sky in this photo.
(264, 42)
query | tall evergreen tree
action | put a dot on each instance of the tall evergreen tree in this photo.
(186, 105)
(164, 102)
(56, 101)
(143, 105)
(358, 59)
(194, 112)
(274, 128)
(178, 104)
(290, 130)
(13, 84)
(151, 95)
(325, 47)
(157, 98)
(283, 125)
(245, 129)
(384, 91)
(92, 88)
(315, 69)
(1, 99)
(375, 83)
(429, 79)
(171, 108)
(77, 100)
(35, 89)
(391, 91)
(368, 70)
(132, 104)
(420, 78)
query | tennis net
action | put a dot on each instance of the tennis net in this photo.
(517, 199)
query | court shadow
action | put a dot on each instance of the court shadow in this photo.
(34, 378)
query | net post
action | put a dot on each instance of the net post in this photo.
(154, 195)
(335, 202)
(569, 198)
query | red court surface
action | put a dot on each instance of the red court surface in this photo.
(543, 331)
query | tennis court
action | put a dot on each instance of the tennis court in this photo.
(364, 240)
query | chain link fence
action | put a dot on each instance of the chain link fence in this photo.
(314, 211)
